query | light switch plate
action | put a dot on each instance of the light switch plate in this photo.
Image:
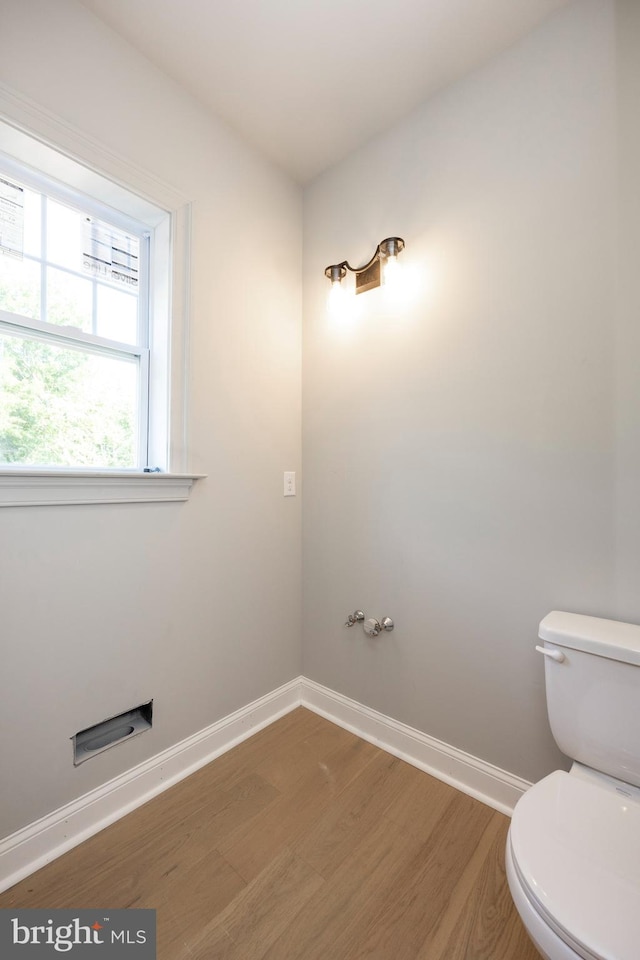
(289, 483)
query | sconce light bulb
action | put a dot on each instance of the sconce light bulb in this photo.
(392, 271)
(336, 299)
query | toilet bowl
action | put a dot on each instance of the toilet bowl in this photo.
(573, 848)
(573, 866)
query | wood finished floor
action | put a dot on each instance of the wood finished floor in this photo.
(302, 843)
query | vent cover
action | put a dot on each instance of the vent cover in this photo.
(88, 743)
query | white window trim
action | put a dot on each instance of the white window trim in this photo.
(46, 488)
(35, 487)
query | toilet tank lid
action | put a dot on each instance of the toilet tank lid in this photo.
(604, 638)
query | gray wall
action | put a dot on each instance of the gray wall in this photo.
(459, 448)
(103, 607)
(628, 314)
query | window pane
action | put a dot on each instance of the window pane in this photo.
(64, 407)
(20, 287)
(69, 299)
(117, 315)
(64, 236)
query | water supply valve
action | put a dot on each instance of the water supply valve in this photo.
(356, 617)
(372, 627)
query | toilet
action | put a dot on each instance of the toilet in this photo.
(573, 848)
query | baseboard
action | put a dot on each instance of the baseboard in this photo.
(28, 849)
(493, 786)
(37, 844)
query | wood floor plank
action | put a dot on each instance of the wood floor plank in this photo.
(217, 946)
(81, 879)
(277, 739)
(286, 768)
(205, 830)
(354, 812)
(188, 898)
(437, 943)
(331, 922)
(263, 910)
(250, 847)
(487, 927)
(418, 807)
(147, 830)
(421, 892)
(128, 859)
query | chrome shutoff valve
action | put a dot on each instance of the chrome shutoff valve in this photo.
(373, 627)
(356, 617)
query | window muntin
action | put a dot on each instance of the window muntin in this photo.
(74, 335)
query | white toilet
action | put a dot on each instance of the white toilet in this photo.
(573, 850)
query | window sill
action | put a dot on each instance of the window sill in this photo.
(40, 488)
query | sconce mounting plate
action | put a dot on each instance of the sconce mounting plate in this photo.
(369, 278)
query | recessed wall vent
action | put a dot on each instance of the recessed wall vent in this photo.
(87, 743)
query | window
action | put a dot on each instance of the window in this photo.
(74, 329)
(93, 300)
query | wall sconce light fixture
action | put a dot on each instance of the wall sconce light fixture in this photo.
(368, 276)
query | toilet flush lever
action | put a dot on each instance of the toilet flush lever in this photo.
(556, 655)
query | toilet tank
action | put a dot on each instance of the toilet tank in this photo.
(593, 694)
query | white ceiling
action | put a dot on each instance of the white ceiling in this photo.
(307, 81)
